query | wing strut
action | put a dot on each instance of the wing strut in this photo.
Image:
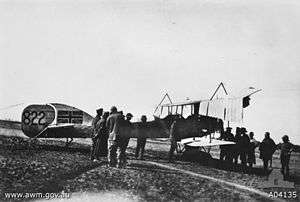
(165, 96)
(220, 85)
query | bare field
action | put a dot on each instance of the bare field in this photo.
(46, 166)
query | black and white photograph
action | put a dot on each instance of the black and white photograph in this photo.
(149, 100)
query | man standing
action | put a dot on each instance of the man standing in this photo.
(94, 134)
(267, 149)
(174, 137)
(251, 154)
(225, 150)
(125, 140)
(286, 149)
(103, 133)
(113, 124)
(244, 144)
(141, 141)
(229, 137)
(236, 149)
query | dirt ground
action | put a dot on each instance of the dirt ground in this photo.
(46, 166)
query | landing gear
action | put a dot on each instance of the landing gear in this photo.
(68, 142)
(207, 150)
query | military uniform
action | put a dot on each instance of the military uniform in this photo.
(267, 149)
(244, 148)
(141, 141)
(229, 148)
(113, 124)
(236, 147)
(225, 150)
(251, 154)
(285, 154)
(103, 137)
(124, 141)
(94, 136)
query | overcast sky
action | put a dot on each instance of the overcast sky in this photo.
(94, 54)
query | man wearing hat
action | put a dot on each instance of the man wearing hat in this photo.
(141, 141)
(251, 153)
(125, 140)
(94, 134)
(236, 147)
(225, 150)
(174, 137)
(103, 136)
(267, 149)
(244, 144)
(113, 123)
(286, 149)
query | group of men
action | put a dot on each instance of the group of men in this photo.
(245, 146)
(111, 135)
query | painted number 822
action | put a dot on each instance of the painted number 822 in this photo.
(33, 118)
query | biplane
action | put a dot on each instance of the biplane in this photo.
(194, 130)
(196, 119)
(201, 122)
(56, 120)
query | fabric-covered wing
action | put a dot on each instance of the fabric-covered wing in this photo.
(204, 142)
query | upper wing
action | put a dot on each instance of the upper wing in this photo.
(66, 130)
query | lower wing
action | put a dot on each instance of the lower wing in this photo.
(204, 142)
